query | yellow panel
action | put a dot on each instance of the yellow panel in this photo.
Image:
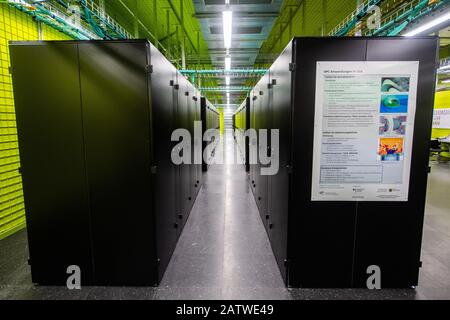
(441, 101)
(14, 25)
(50, 33)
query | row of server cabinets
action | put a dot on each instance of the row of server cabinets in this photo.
(241, 123)
(95, 121)
(331, 244)
(211, 121)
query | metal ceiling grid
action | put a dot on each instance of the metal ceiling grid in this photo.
(303, 18)
(164, 18)
(252, 24)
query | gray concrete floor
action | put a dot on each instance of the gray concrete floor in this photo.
(224, 252)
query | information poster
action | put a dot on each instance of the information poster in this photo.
(363, 130)
(441, 118)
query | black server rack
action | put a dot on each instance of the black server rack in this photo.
(241, 120)
(331, 243)
(210, 120)
(95, 120)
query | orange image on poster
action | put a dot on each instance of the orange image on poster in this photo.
(391, 148)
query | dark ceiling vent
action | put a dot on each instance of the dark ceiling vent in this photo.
(235, 2)
(238, 30)
(236, 59)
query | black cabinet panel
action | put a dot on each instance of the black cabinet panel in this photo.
(163, 123)
(278, 184)
(396, 250)
(116, 119)
(241, 121)
(52, 160)
(95, 122)
(198, 140)
(184, 183)
(331, 244)
(323, 232)
(254, 142)
(210, 118)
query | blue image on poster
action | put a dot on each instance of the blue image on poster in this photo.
(394, 103)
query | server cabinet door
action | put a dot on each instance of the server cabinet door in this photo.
(280, 105)
(257, 168)
(116, 119)
(247, 139)
(163, 123)
(48, 111)
(318, 237)
(263, 148)
(204, 118)
(192, 168)
(253, 142)
(389, 234)
(184, 184)
(197, 141)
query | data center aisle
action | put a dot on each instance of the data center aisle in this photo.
(224, 252)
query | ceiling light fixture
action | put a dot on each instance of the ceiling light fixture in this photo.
(227, 63)
(227, 80)
(429, 25)
(227, 28)
(446, 81)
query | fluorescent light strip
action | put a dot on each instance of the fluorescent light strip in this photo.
(227, 63)
(227, 28)
(446, 81)
(227, 80)
(428, 25)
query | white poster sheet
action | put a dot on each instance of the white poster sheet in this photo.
(441, 118)
(363, 130)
